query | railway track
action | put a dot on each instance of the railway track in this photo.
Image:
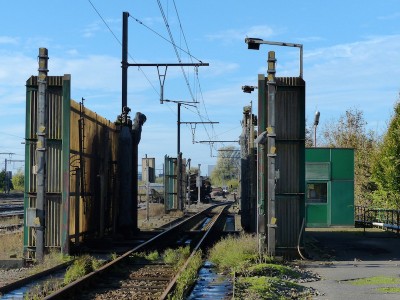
(133, 277)
(127, 277)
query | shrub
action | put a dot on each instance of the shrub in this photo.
(234, 253)
(81, 266)
(176, 256)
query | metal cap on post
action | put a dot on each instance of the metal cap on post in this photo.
(41, 131)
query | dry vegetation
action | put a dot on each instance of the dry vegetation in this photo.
(157, 216)
(11, 245)
(11, 221)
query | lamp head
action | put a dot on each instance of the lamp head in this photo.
(316, 118)
(253, 43)
(247, 89)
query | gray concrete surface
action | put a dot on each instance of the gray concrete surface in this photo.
(343, 254)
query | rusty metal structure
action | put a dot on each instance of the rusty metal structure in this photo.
(80, 169)
(80, 190)
(248, 170)
(281, 210)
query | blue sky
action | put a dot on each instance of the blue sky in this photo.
(351, 60)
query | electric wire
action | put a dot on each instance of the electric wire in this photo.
(117, 39)
(177, 54)
(196, 77)
(176, 50)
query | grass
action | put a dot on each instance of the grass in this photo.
(188, 277)
(11, 221)
(234, 254)
(81, 266)
(263, 287)
(176, 257)
(152, 256)
(52, 259)
(256, 276)
(11, 245)
(377, 280)
(40, 291)
(389, 290)
(272, 270)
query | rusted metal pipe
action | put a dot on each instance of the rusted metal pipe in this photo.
(271, 136)
(41, 131)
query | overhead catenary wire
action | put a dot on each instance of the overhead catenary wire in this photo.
(118, 40)
(177, 53)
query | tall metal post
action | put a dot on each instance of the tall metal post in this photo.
(188, 184)
(271, 136)
(198, 183)
(179, 128)
(124, 63)
(6, 184)
(261, 165)
(41, 154)
(179, 161)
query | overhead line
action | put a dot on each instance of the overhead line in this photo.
(109, 28)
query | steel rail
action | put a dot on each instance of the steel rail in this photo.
(211, 226)
(161, 239)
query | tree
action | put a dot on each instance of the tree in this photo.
(3, 181)
(386, 167)
(227, 167)
(18, 180)
(350, 132)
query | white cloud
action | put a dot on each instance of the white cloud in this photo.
(392, 16)
(8, 40)
(360, 74)
(234, 35)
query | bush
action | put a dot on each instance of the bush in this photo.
(81, 266)
(176, 256)
(234, 253)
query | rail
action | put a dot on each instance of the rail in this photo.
(388, 219)
(162, 240)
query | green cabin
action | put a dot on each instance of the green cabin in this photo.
(329, 187)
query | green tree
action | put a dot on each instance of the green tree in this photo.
(386, 167)
(3, 181)
(18, 180)
(227, 167)
(350, 132)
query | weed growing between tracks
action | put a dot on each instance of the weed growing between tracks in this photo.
(255, 276)
(81, 266)
(176, 257)
(188, 277)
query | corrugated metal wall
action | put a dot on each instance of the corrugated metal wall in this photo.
(290, 160)
(170, 183)
(95, 211)
(93, 206)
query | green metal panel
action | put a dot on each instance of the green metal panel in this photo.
(66, 111)
(29, 90)
(318, 171)
(342, 204)
(317, 215)
(340, 207)
(342, 164)
(169, 183)
(318, 154)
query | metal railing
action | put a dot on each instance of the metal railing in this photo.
(388, 219)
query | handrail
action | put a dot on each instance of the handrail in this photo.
(388, 219)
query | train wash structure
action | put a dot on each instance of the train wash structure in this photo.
(71, 169)
(281, 161)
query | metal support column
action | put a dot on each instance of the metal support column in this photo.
(124, 66)
(41, 155)
(271, 136)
